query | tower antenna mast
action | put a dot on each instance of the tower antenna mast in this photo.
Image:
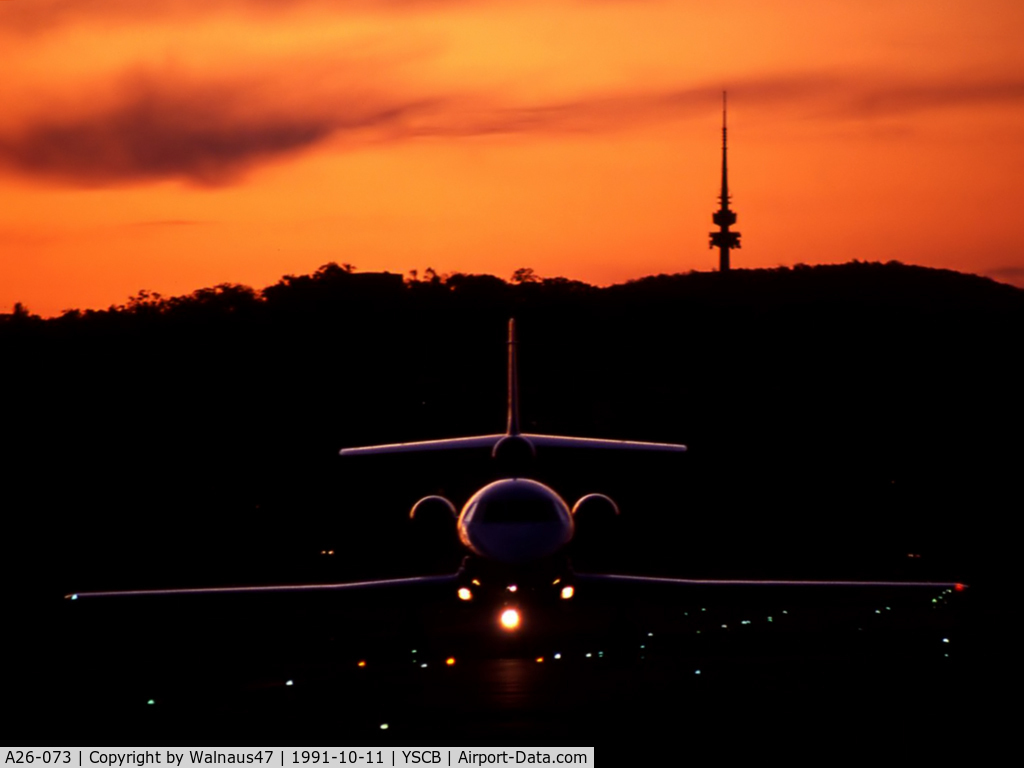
(724, 239)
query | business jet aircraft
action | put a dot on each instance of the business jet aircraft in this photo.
(516, 529)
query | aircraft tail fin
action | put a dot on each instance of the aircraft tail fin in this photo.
(513, 442)
(512, 428)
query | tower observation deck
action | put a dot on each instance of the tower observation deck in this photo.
(724, 238)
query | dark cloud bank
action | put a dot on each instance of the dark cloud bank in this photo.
(213, 134)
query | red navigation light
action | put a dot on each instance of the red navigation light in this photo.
(960, 587)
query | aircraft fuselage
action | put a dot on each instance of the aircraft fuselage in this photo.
(515, 521)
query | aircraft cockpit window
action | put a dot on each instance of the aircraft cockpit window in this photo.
(535, 509)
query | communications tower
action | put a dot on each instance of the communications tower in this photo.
(724, 239)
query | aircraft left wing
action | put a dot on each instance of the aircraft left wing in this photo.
(662, 581)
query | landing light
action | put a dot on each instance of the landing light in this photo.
(465, 594)
(567, 592)
(512, 588)
(510, 619)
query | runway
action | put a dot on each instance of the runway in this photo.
(301, 681)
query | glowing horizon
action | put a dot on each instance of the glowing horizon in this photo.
(171, 146)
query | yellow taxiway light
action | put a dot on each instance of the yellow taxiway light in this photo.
(510, 619)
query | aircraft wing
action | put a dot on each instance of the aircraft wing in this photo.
(710, 607)
(823, 594)
(352, 586)
(608, 578)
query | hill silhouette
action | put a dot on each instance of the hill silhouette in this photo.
(836, 415)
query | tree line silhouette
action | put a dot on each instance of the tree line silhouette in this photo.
(831, 411)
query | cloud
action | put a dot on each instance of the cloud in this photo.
(821, 96)
(169, 223)
(37, 16)
(202, 133)
(159, 127)
(895, 98)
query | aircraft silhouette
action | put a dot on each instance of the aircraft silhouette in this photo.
(516, 530)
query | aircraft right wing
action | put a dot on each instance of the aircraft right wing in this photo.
(351, 586)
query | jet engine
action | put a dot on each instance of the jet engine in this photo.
(430, 507)
(595, 506)
(433, 510)
(514, 451)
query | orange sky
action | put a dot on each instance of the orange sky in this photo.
(170, 145)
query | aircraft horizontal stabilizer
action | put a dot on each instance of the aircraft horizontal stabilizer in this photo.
(483, 441)
(557, 441)
(489, 441)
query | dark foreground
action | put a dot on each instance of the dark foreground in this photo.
(604, 672)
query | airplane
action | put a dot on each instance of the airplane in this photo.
(516, 530)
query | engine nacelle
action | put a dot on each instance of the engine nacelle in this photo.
(514, 449)
(431, 508)
(595, 505)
